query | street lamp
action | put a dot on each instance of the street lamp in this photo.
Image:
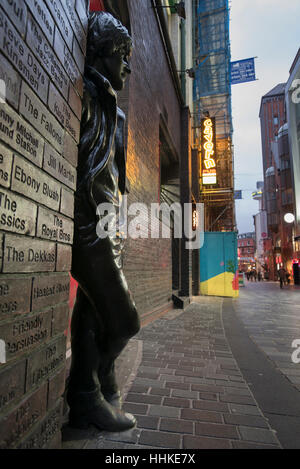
(289, 218)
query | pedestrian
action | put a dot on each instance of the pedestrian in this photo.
(282, 276)
(287, 276)
(259, 276)
(255, 275)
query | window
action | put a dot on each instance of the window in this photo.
(275, 120)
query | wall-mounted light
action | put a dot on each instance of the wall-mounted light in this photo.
(189, 71)
(178, 7)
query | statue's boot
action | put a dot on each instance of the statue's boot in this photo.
(90, 408)
(109, 385)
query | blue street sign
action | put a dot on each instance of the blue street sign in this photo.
(237, 195)
(242, 71)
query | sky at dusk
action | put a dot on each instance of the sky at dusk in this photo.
(268, 29)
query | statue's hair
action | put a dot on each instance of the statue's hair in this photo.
(106, 34)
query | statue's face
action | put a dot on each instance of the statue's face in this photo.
(116, 68)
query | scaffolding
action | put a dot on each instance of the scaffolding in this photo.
(212, 96)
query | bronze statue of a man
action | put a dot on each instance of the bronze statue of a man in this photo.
(104, 316)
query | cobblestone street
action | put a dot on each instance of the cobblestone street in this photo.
(188, 384)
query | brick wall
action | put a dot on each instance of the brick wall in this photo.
(148, 262)
(42, 48)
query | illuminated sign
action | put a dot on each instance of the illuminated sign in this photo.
(208, 147)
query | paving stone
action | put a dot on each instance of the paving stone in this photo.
(138, 388)
(146, 421)
(208, 396)
(135, 408)
(258, 435)
(237, 391)
(210, 405)
(207, 388)
(218, 431)
(193, 442)
(246, 445)
(130, 436)
(201, 415)
(176, 426)
(142, 374)
(160, 439)
(162, 411)
(173, 402)
(194, 374)
(185, 394)
(246, 420)
(244, 409)
(149, 369)
(172, 385)
(192, 380)
(143, 398)
(160, 392)
(149, 382)
(234, 399)
(176, 379)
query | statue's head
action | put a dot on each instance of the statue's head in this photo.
(109, 47)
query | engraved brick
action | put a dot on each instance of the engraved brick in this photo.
(70, 151)
(53, 226)
(60, 319)
(17, 12)
(1, 251)
(35, 184)
(50, 289)
(61, 20)
(63, 113)
(56, 387)
(12, 82)
(12, 384)
(75, 102)
(43, 17)
(15, 295)
(26, 333)
(82, 14)
(6, 158)
(17, 214)
(59, 168)
(19, 135)
(69, 6)
(64, 258)
(67, 202)
(78, 56)
(23, 254)
(47, 433)
(38, 115)
(16, 424)
(46, 362)
(68, 61)
(15, 49)
(42, 49)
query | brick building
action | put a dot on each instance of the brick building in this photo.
(246, 251)
(278, 184)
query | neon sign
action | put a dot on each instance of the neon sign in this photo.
(209, 172)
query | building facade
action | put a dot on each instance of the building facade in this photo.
(246, 251)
